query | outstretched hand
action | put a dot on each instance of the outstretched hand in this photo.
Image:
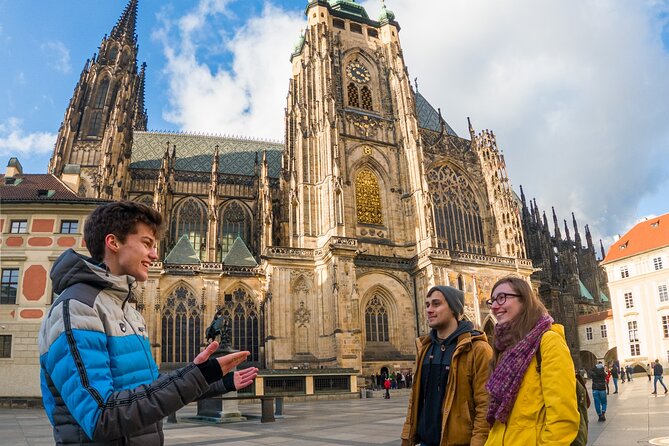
(242, 378)
(245, 377)
(227, 362)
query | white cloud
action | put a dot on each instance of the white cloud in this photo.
(14, 142)
(244, 97)
(57, 56)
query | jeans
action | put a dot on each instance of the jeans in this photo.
(615, 384)
(600, 401)
(658, 378)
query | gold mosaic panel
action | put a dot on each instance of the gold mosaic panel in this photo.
(368, 198)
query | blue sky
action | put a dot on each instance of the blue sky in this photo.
(575, 90)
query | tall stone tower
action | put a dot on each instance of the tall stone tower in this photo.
(351, 131)
(95, 136)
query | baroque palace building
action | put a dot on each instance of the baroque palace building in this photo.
(319, 250)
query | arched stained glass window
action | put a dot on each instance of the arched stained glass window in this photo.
(235, 222)
(353, 98)
(457, 213)
(376, 321)
(113, 53)
(181, 326)
(95, 124)
(368, 198)
(241, 309)
(101, 94)
(190, 218)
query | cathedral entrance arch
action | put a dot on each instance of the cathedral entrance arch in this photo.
(386, 334)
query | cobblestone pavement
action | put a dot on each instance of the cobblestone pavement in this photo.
(634, 417)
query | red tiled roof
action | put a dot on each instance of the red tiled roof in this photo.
(645, 236)
(30, 184)
(594, 317)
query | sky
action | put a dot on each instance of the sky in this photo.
(576, 91)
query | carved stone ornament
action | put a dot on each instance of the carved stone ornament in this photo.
(302, 315)
(364, 124)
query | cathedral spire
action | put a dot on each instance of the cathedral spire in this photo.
(588, 238)
(124, 30)
(558, 236)
(141, 118)
(577, 236)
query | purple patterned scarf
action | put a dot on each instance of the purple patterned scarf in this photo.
(505, 380)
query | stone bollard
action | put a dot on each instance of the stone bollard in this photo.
(278, 406)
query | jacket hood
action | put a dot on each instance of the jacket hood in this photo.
(71, 268)
(463, 327)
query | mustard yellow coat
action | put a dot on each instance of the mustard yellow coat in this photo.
(545, 411)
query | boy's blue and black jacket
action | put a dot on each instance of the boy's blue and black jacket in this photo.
(100, 384)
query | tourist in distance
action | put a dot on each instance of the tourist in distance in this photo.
(657, 373)
(529, 404)
(448, 401)
(100, 384)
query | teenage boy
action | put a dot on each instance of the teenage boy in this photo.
(449, 401)
(100, 384)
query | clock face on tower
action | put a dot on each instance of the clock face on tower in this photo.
(357, 72)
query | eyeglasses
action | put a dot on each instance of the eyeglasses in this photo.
(500, 298)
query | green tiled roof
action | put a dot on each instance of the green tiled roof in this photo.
(195, 152)
(182, 253)
(239, 255)
(584, 291)
(428, 117)
(349, 7)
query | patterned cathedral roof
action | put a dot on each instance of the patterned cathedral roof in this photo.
(195, 153)
(428, 117)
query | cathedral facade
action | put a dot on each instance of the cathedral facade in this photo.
(320, 250)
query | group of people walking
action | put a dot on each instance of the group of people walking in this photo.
(522, 390)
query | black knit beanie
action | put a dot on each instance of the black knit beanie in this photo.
(454, 297)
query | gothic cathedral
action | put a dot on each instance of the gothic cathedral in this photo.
(320, 250)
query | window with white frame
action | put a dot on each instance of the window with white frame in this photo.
(629, 300)
(662, 291)
(602, 330)
(69, 227)
(633, 333)
(18, 226)
(665, 326)
(624, 272)
(657, 263)
(588, 333)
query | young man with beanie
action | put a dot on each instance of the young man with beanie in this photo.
(100, 384)
(449, 401)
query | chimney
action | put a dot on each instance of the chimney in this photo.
(14, 167)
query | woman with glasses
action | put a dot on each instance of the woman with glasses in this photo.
(532, 383)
